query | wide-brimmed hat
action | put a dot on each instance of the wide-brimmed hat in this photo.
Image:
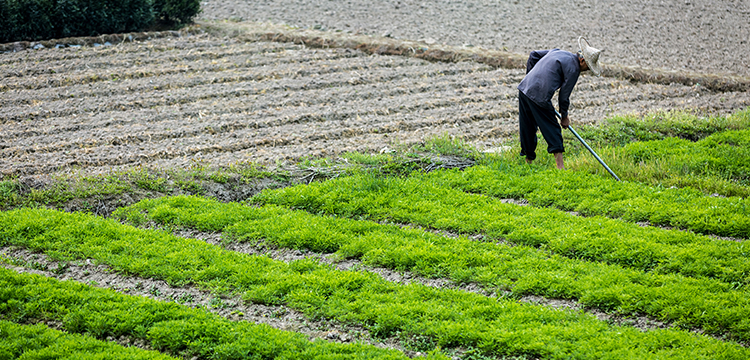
(591, 55)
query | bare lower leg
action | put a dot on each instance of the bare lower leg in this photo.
(529, 161)
(559, 161)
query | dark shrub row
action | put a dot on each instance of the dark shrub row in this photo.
(46, 19)
(176, 11)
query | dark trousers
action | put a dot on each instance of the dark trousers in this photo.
(532, 116)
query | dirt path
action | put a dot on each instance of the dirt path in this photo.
(201, 99)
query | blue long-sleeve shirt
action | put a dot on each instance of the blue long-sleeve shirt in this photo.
(547, 71)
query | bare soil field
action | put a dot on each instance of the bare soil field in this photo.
(707, 36)
(217, 100)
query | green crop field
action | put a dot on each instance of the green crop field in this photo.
(239, 190)
(653, 267)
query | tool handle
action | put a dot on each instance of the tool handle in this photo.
(589, 148)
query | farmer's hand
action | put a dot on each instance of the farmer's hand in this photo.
(565, 122)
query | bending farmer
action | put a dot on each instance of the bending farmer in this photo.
(547, 71)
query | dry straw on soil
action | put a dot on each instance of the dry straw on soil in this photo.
(445, 53)
(389, 46)
(91, 40)
(231, 93)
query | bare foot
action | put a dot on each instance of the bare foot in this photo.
(559, 161)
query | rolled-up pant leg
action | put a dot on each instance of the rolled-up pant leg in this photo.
(551, 130)
(532, 116)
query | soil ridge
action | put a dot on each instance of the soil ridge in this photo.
(380, 45)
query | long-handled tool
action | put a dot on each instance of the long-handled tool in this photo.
(589, 148)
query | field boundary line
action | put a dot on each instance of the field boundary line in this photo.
(446, 53)
(113, 39)
(249, 31)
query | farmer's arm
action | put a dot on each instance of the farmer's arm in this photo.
(570, 77)
(565, 122)
(534, 57)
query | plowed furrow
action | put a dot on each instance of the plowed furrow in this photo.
(45, 75)
(142, 57)
(342, 114)
(138, 71)
(195, 45)
(327, 88)
(323, 75)
(174, 102)
(246, 144)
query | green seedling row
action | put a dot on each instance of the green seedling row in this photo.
(707, 154)
(621, 130)
(31, 342)
(724, 155)
(710, 304)
(168, 327)
(428, 201)
(437, 317)
(590, 195)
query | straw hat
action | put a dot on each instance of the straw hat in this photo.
(591, 55)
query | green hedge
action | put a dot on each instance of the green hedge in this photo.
(48, 19)
(176, 11)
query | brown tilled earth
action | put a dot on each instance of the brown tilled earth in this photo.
(709, 36)
(226, 99)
